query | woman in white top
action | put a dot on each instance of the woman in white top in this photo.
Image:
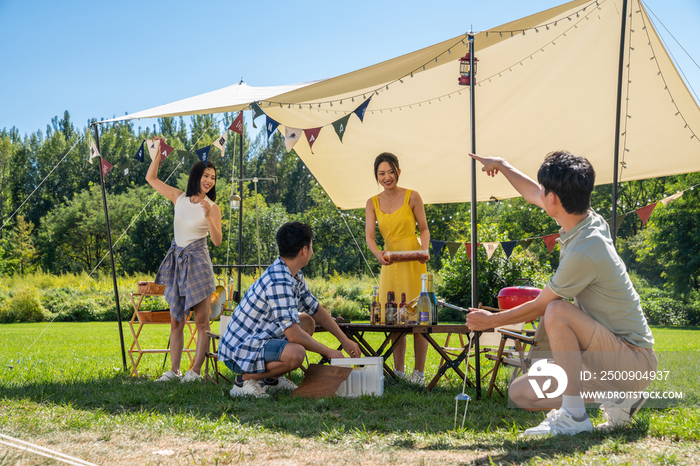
(187, 271)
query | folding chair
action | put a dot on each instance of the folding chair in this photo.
(528, 347)
(488, 342)
(213, 355)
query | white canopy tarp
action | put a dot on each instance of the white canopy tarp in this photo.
(545, 82)
(229, 99)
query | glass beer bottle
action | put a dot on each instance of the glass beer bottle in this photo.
(376, 308)
(433, 301)
(402, 314)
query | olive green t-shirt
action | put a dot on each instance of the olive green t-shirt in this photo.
(593, 275)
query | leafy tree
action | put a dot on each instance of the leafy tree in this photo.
(19, 247)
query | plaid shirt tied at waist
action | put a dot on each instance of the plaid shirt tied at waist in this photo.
(188, 276)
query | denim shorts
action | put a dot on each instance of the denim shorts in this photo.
(273, 352)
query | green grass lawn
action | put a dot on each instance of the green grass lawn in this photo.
(69, 393)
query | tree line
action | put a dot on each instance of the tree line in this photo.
(59, 224)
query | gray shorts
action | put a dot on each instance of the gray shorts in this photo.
(273, 352)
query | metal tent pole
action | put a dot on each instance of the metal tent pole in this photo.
(111, 249)
(240, 213)
(618, 123)
(474, 262)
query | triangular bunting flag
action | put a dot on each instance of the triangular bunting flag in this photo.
(508, 247)
(237, 125)
(453, 248)
(490, 249)
(125, 168)
(291, 137)
(312, 136)
(668, 199)
(93, 151)
(620, 219)
(270, 125)
(360, 111)
(257, 111)
(437, 246)
(106, 167)
(525, 243)
(469, 249)
(221, 143)
(140, 154)
(165, 150)
(645, 212)
(203, 153)
(341, 125)
(551, 241)
(153, 145)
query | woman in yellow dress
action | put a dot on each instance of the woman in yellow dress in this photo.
(398, 211)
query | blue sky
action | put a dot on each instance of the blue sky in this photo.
(103, 59)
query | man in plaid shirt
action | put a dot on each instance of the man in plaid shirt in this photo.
(271, 328)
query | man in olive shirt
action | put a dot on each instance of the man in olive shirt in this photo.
(604, 329)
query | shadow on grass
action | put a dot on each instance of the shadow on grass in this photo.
(412, 418)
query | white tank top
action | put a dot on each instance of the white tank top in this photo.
(190, 224)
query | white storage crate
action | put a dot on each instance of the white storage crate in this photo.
(366, 378)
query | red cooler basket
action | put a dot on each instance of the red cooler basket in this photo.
(513, 296)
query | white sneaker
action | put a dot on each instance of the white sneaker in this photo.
(191, 376)
(168, 376)
(560, 421)
(280, 384)
(618, 413)
(250, 387)
(416, 378)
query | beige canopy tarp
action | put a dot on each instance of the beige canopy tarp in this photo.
(545, 82)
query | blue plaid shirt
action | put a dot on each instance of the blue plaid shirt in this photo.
(269, 307)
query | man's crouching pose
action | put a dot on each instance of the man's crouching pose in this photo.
(268, 335)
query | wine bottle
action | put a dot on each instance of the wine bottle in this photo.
(424, 304)
(433, 301)
(390, 309)
(376, 308)
(402, 315)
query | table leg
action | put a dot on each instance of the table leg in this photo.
(449, 362)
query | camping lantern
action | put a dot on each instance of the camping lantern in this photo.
(235, 201)
(464, 69)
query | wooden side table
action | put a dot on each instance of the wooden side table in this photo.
(139, 319)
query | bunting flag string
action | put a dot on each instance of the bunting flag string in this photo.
(549, 240)
(291, 134)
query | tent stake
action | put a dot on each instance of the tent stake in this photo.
(111, 249)
(621, 68)
(474, 277)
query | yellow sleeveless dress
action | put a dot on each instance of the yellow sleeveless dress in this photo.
(399, 233)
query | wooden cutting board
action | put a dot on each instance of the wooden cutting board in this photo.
(321, 381)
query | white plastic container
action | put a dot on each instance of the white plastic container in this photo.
(366, 378)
